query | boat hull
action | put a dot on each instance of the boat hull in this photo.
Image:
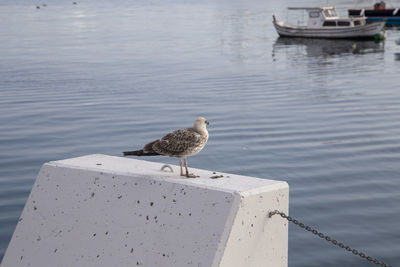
(392, 16)
(363, 31)
(390, 21)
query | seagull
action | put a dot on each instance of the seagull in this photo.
(179, 144)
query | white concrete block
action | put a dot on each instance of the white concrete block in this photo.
(99, 210)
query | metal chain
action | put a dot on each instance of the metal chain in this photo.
(329, 239)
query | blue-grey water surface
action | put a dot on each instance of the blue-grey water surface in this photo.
(106, 76)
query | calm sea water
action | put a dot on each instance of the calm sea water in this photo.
(106, 76)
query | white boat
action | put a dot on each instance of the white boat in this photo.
(324, 22)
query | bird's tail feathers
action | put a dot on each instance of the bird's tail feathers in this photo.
(139, 153)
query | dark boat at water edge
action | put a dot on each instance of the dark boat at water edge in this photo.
(377, 13)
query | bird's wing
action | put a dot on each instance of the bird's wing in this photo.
(148, 148)
(178, 142)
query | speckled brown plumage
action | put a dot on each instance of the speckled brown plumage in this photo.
(180, 143)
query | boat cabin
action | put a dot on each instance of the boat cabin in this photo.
(324, 17)
(380, 5)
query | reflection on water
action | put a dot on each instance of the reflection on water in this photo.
(327, 47)
(105, 76)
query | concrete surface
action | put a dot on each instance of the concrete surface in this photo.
(100, 210)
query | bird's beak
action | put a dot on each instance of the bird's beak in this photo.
(207, 123)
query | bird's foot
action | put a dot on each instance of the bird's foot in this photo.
(191, 175)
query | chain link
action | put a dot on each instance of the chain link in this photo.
(329, 239)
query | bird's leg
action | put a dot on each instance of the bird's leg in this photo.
(180, 164)
(188, 175)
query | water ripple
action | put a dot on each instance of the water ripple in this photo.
(109, 76)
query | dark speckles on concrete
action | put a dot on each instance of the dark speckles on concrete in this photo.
(158, 207)
(58, 234)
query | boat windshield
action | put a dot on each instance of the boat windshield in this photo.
(330, 13)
